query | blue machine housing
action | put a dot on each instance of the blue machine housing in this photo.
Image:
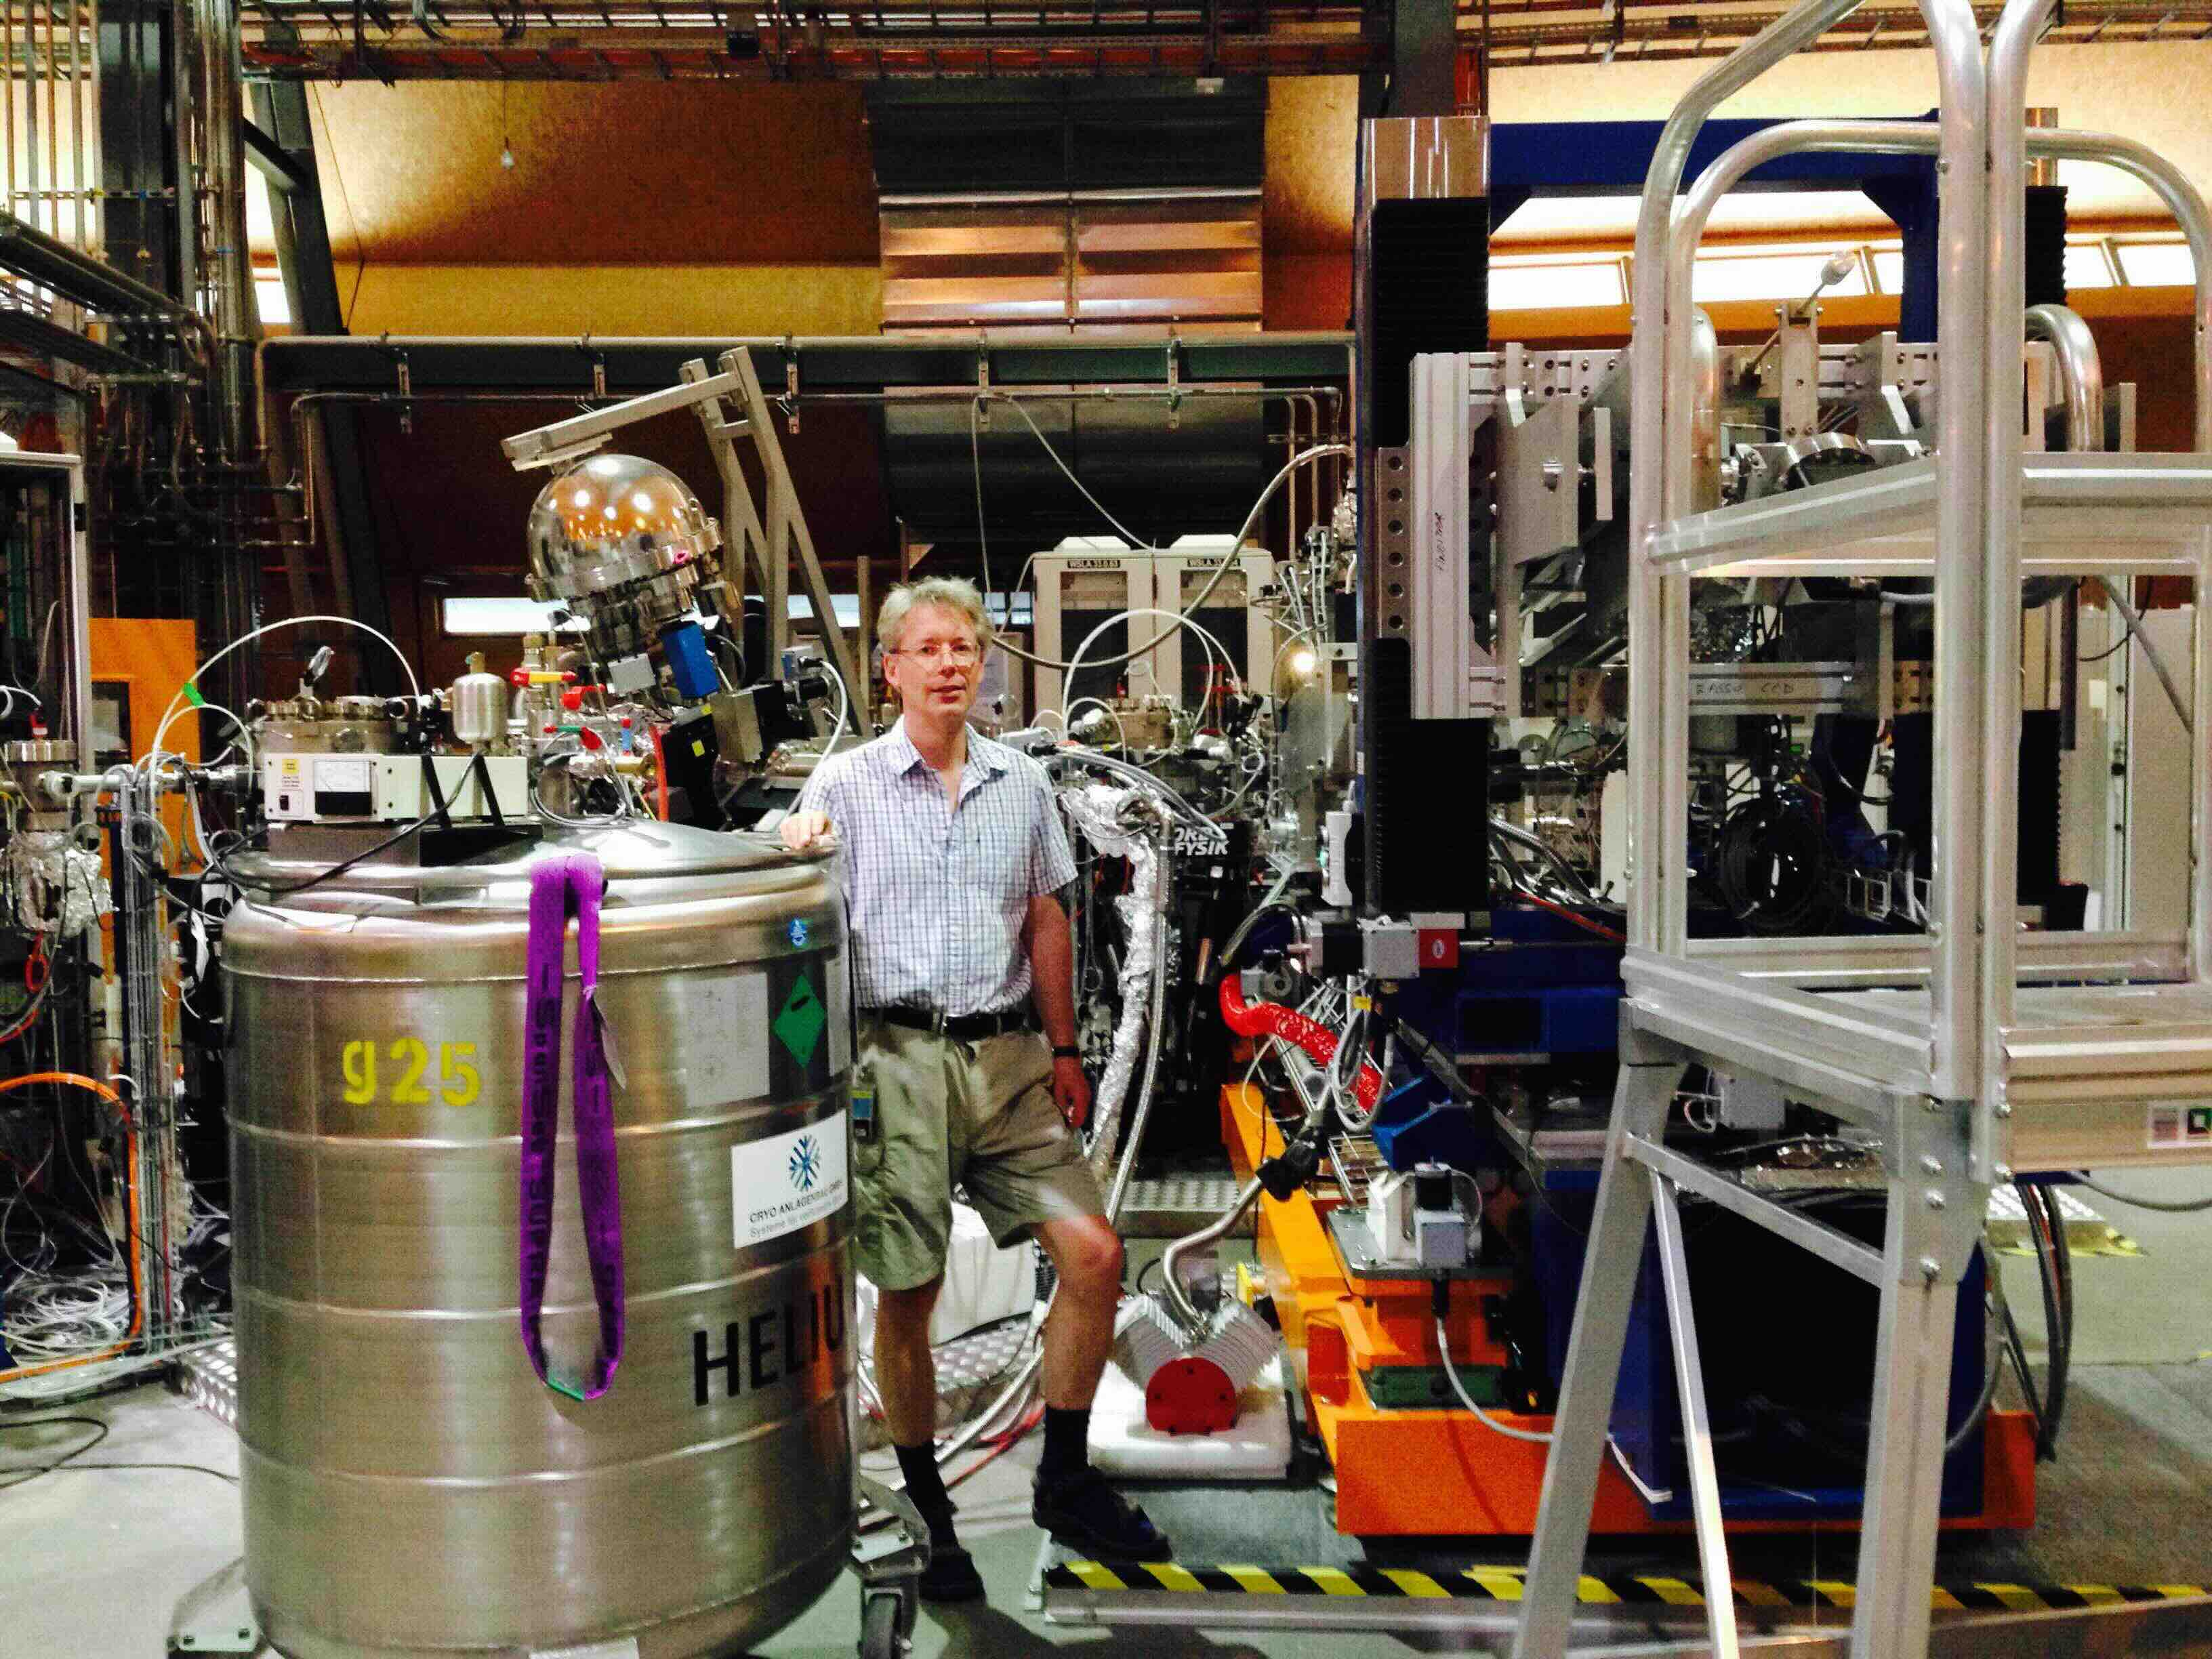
(1747, 1316)
(690, 661)
(1543, 989)
(1783, 1354)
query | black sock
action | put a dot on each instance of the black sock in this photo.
(1066, 1442)
(924, 1485)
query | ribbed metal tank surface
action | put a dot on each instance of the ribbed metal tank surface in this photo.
(409, 1486)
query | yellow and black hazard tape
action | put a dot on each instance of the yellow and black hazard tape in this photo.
(1505, 1585)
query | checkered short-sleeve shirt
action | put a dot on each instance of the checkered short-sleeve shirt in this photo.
(939, 896)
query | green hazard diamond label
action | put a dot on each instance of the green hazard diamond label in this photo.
(799, 1024)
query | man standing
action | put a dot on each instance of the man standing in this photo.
(955, 858)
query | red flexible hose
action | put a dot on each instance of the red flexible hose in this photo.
(1272, 1019)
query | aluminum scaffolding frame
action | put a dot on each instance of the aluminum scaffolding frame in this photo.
(1946, 1046)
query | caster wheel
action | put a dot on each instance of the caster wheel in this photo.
(879, 1631)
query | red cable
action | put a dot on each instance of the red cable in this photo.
(1272, 1019)
(1579, 921)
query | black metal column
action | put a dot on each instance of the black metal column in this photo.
(282, 145)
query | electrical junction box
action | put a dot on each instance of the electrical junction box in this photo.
(315, 788)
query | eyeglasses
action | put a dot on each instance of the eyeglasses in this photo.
(961, 653)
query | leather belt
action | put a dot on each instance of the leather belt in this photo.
(968, 1028)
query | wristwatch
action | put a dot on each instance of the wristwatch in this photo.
(1066, 1051)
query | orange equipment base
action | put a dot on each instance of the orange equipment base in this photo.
(1441, 1474)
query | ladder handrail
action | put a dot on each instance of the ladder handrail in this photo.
(1670, 158)
(1999, 974)
(1658, 897)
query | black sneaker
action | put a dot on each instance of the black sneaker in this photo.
(1084, 1513)
(951, 1575)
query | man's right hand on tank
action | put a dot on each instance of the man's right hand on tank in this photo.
(807, 832)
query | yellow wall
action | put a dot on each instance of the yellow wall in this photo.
(648, 300)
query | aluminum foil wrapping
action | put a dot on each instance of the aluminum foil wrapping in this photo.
(54, 886)
(1094, 810)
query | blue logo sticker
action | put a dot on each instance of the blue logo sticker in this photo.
(797, 932)
(806, 1163)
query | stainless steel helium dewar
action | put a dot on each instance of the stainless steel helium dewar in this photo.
(410, 1487)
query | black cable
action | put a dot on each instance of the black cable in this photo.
(2061, 1251)
(334, 871)
(1770, 865)
(2109, 651)
(2054, 1330)
(21, 1475)
(2163, 1207)
(2018, 1350)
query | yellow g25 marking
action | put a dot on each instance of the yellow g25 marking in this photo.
(458, 1083)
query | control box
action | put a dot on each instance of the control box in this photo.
(323, 789)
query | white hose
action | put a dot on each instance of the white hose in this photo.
(1652, 1495)
(406, 667)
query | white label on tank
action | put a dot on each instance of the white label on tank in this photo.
(625, 1648)
(788, 1182)
(838, 996)
(728, 1060)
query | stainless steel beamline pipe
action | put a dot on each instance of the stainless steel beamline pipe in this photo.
(1657, 845)
(1187, 1313)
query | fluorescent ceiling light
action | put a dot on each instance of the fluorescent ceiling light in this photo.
(1770, 276)
(1548, 286)
(502, 615)
(1554, 218)
(2155, 265)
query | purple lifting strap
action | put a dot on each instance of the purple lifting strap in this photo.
(563, 885)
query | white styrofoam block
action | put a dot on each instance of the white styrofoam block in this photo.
(1256, 1447)
(983, 1284)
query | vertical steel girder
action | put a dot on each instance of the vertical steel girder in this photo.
(303, 255)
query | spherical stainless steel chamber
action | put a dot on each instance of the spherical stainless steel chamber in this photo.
(409, 1486)
(612, 520)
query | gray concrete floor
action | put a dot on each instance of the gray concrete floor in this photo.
(94, 1560)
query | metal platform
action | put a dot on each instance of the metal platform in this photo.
(2092, 1073)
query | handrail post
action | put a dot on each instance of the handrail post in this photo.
(1651, 741)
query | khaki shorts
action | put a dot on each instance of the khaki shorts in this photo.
(975, 1115)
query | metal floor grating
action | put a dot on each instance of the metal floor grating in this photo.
(2085, 1230)
(1175, 1205)
(211, 1376)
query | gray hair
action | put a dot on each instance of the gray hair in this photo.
(953, 594)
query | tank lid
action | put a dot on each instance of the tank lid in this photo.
(630, 849)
